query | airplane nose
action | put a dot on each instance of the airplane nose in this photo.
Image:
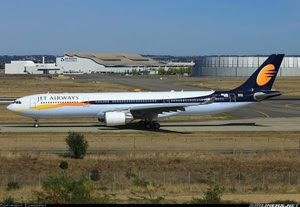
(10, 107)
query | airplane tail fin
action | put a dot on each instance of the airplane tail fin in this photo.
(264, 77)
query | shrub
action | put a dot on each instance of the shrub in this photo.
(12, 186)
(9, 200)
(239, 176)
(60, 189)
(213, 193)
(64, 165)
(95, 176)
(77, 144)
(146, 193)
(211, 196)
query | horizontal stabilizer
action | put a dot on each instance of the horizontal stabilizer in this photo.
(259, 96)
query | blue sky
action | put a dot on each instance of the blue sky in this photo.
(158, 27)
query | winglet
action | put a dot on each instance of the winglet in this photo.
(209, 101)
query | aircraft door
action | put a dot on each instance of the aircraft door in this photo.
(232, 97)
(166, 99)
(86, 100)
(32, 102)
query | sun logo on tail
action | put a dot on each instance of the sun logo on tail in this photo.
(265, 75)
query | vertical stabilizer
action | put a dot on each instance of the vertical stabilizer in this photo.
(264, 77)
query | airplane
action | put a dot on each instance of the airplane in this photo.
(120, 108)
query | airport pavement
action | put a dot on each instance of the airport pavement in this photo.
(290, 124)
(273, 108)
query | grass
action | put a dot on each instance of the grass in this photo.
(174, 194)
(144, 141)
(199, 152)
(28, 85)
(153, 153)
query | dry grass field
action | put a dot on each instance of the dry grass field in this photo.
(268, 162)
(151, 141)
(14, 86)
(177, 194)
(258, 184)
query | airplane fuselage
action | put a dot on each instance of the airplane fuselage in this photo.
(66, 105)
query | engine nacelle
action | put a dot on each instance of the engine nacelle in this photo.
(116, 118)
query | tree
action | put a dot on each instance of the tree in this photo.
(134, 71)
(77, 144)
(161, 71)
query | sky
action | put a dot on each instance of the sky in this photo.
(154, 27)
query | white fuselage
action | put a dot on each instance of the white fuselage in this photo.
(66, 105)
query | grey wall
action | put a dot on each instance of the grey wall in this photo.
(236, 66)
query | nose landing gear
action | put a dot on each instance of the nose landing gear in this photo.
(36, 124)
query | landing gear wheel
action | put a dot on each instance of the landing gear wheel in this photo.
(142, 123)
(156, 125)
(36, 125)
(148, 125)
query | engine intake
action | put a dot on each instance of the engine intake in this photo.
(116, 118)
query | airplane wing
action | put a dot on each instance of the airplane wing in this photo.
(146, 110)
(170, 107)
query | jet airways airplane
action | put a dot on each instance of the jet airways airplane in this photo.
(120, 108)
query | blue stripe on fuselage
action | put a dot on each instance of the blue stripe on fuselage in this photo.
(220, 97)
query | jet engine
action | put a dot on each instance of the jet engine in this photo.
(116, 118)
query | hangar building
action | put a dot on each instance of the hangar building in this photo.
(241, 66)
(29, 67)
(85, 62)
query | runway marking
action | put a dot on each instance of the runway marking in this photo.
(260, 112)
(274, 105)
(291, 106)
(263, 113)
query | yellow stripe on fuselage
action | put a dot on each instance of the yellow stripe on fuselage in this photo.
(52, 106)
(19, 111)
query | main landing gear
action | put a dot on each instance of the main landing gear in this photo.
(149, 124)
(36, 124)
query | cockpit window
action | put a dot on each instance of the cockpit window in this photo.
(17, 102)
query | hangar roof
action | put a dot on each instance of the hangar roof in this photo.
(116, 59)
